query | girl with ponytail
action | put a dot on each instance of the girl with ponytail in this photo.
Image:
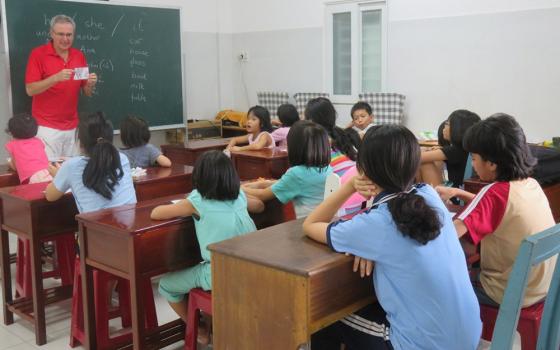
(101, 177)
(425, 299)
(343, 152)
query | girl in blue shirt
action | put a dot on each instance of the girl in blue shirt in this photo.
(420, 277)
(219, 210)
(304, 182)
(101, 177)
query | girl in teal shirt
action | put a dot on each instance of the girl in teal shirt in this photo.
(304, 182)
(219, 211)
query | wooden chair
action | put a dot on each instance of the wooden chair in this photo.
(533, 250)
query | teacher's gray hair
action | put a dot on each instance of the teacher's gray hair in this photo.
(62, 19)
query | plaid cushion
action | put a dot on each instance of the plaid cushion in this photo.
(303, 97)
(388, 108)
(272, 100)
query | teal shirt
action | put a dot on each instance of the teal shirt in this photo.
(219, 220)
(302, 185)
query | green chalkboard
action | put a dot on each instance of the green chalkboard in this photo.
(135, 51)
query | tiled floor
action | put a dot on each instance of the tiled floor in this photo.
(21, 336)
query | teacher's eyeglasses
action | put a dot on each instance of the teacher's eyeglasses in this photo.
(64, 35)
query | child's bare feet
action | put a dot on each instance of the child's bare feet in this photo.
(204, 330)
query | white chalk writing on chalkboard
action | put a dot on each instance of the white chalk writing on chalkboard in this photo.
(88, 37)
(138, 76)
(92, 23)
(116, 26)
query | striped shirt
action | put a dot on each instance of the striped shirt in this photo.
(340, 162)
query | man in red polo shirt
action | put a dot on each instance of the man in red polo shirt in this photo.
(52, 82)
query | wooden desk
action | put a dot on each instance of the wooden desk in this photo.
(273, 288)
(161, 182)
(25, 212)
(265, 163)
(126, 242)
(552, 192)
(8, 177)
(188, 153)
(428, 143)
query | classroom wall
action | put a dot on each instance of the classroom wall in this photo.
(443, 54)
(489, 56)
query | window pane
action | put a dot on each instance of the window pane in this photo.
(342, 57)
(371, 51)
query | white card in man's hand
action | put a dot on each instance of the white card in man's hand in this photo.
(81, 73)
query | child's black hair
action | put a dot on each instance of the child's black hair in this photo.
(501, 140)
(390, 157)
(103, 170)
(308, 145)
(459, 122)
(360, 105)
(288, 114)
(134, 132)
(321, 111)
(440, 139)
(354, 137)
(263, 115)
(214, 177)
(22, 126)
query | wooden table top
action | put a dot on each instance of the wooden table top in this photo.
(274, 153)
(36, 192)
(202, 144)
(161, 173)
(8, 177)
(29, 192)
(428, 143)
(293, 251)
(131, 219)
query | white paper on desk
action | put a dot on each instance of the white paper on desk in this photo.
(138, 172)
(81, 73)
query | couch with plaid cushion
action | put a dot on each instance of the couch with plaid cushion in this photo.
(272, 100)
(303, 97)
(387, 107)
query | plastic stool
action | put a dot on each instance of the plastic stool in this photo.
(65, 251)
(101, 282)
(528, 325)
(199, 300)
(289, 211)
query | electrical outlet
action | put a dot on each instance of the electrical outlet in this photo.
(243, 56)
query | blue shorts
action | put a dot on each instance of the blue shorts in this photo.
(173, 286)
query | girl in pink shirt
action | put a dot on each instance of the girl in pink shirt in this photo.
(258, 132)
(288, 115)
(27, 152)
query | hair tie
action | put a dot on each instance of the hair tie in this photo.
(411, 190)
(100, 140)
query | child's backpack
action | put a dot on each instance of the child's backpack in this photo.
(548, 167)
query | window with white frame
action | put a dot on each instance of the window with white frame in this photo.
(356, 46)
